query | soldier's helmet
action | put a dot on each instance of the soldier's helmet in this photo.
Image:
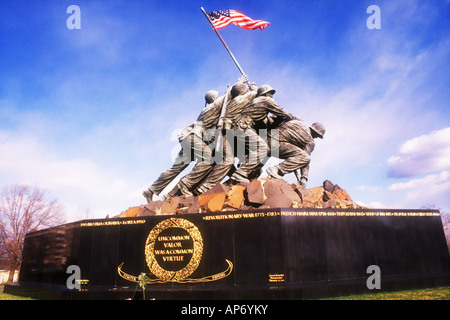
(265, 88)
(238, 89)
(210, 96)
(319, 129)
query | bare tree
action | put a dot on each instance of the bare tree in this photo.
(445, 218)
(83, 213)
(23, 209)
(446, 224)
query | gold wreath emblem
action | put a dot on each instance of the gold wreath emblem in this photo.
(154, 266)
(181, 276)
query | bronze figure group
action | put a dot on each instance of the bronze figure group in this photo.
(235, 134)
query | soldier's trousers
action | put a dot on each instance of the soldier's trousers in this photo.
(295, 157)
(238, 143)
(193, 149)
(201, 169)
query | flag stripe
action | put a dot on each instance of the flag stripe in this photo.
(221, 19)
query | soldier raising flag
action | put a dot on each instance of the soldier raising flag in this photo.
(239, 116)
(222, 18)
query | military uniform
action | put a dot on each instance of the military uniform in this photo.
(198, 144)
(251, 122)
(194, 148)
(295, 145)
(203, 134)
(245, 121)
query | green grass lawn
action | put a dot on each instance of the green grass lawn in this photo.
(5, 296)
(426, 294)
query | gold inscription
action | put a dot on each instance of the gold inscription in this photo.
(167, 243)
(278, 277)
(172, 248)
(322, 214)
(174, 238)
(178, 251)
(111, 223)
(82, 281)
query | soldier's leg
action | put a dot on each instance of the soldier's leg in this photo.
(202, 168)
(272, 139)
(256, 172)
(182, 161)
(258, 152)
(295, 158)
(220, 168)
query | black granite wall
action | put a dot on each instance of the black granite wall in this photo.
(285, 253)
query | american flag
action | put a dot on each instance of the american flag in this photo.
(222, 18)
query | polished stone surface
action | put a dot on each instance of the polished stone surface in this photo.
(273, 254)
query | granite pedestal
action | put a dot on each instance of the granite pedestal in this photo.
(258, 254)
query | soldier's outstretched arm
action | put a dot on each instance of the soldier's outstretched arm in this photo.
(278, 111)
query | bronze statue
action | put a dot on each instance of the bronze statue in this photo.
(245, 121)
(196, 146)
(193, 146)
(236, 125)
(295, 145)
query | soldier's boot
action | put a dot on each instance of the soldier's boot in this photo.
(274, 172)
(239, 177)
(203, 188)
(148, 194)
(184, 188)
(173, 193)
(231, 171)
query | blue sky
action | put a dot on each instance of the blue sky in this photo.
(91, 114)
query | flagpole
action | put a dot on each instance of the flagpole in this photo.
(225, 45)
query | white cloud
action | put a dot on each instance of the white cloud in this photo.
(74, 182)
(373, 205)
(433, 189)
(425, 154)
(365, 188)
(104, 36)
(427, 158)
(440, 182)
